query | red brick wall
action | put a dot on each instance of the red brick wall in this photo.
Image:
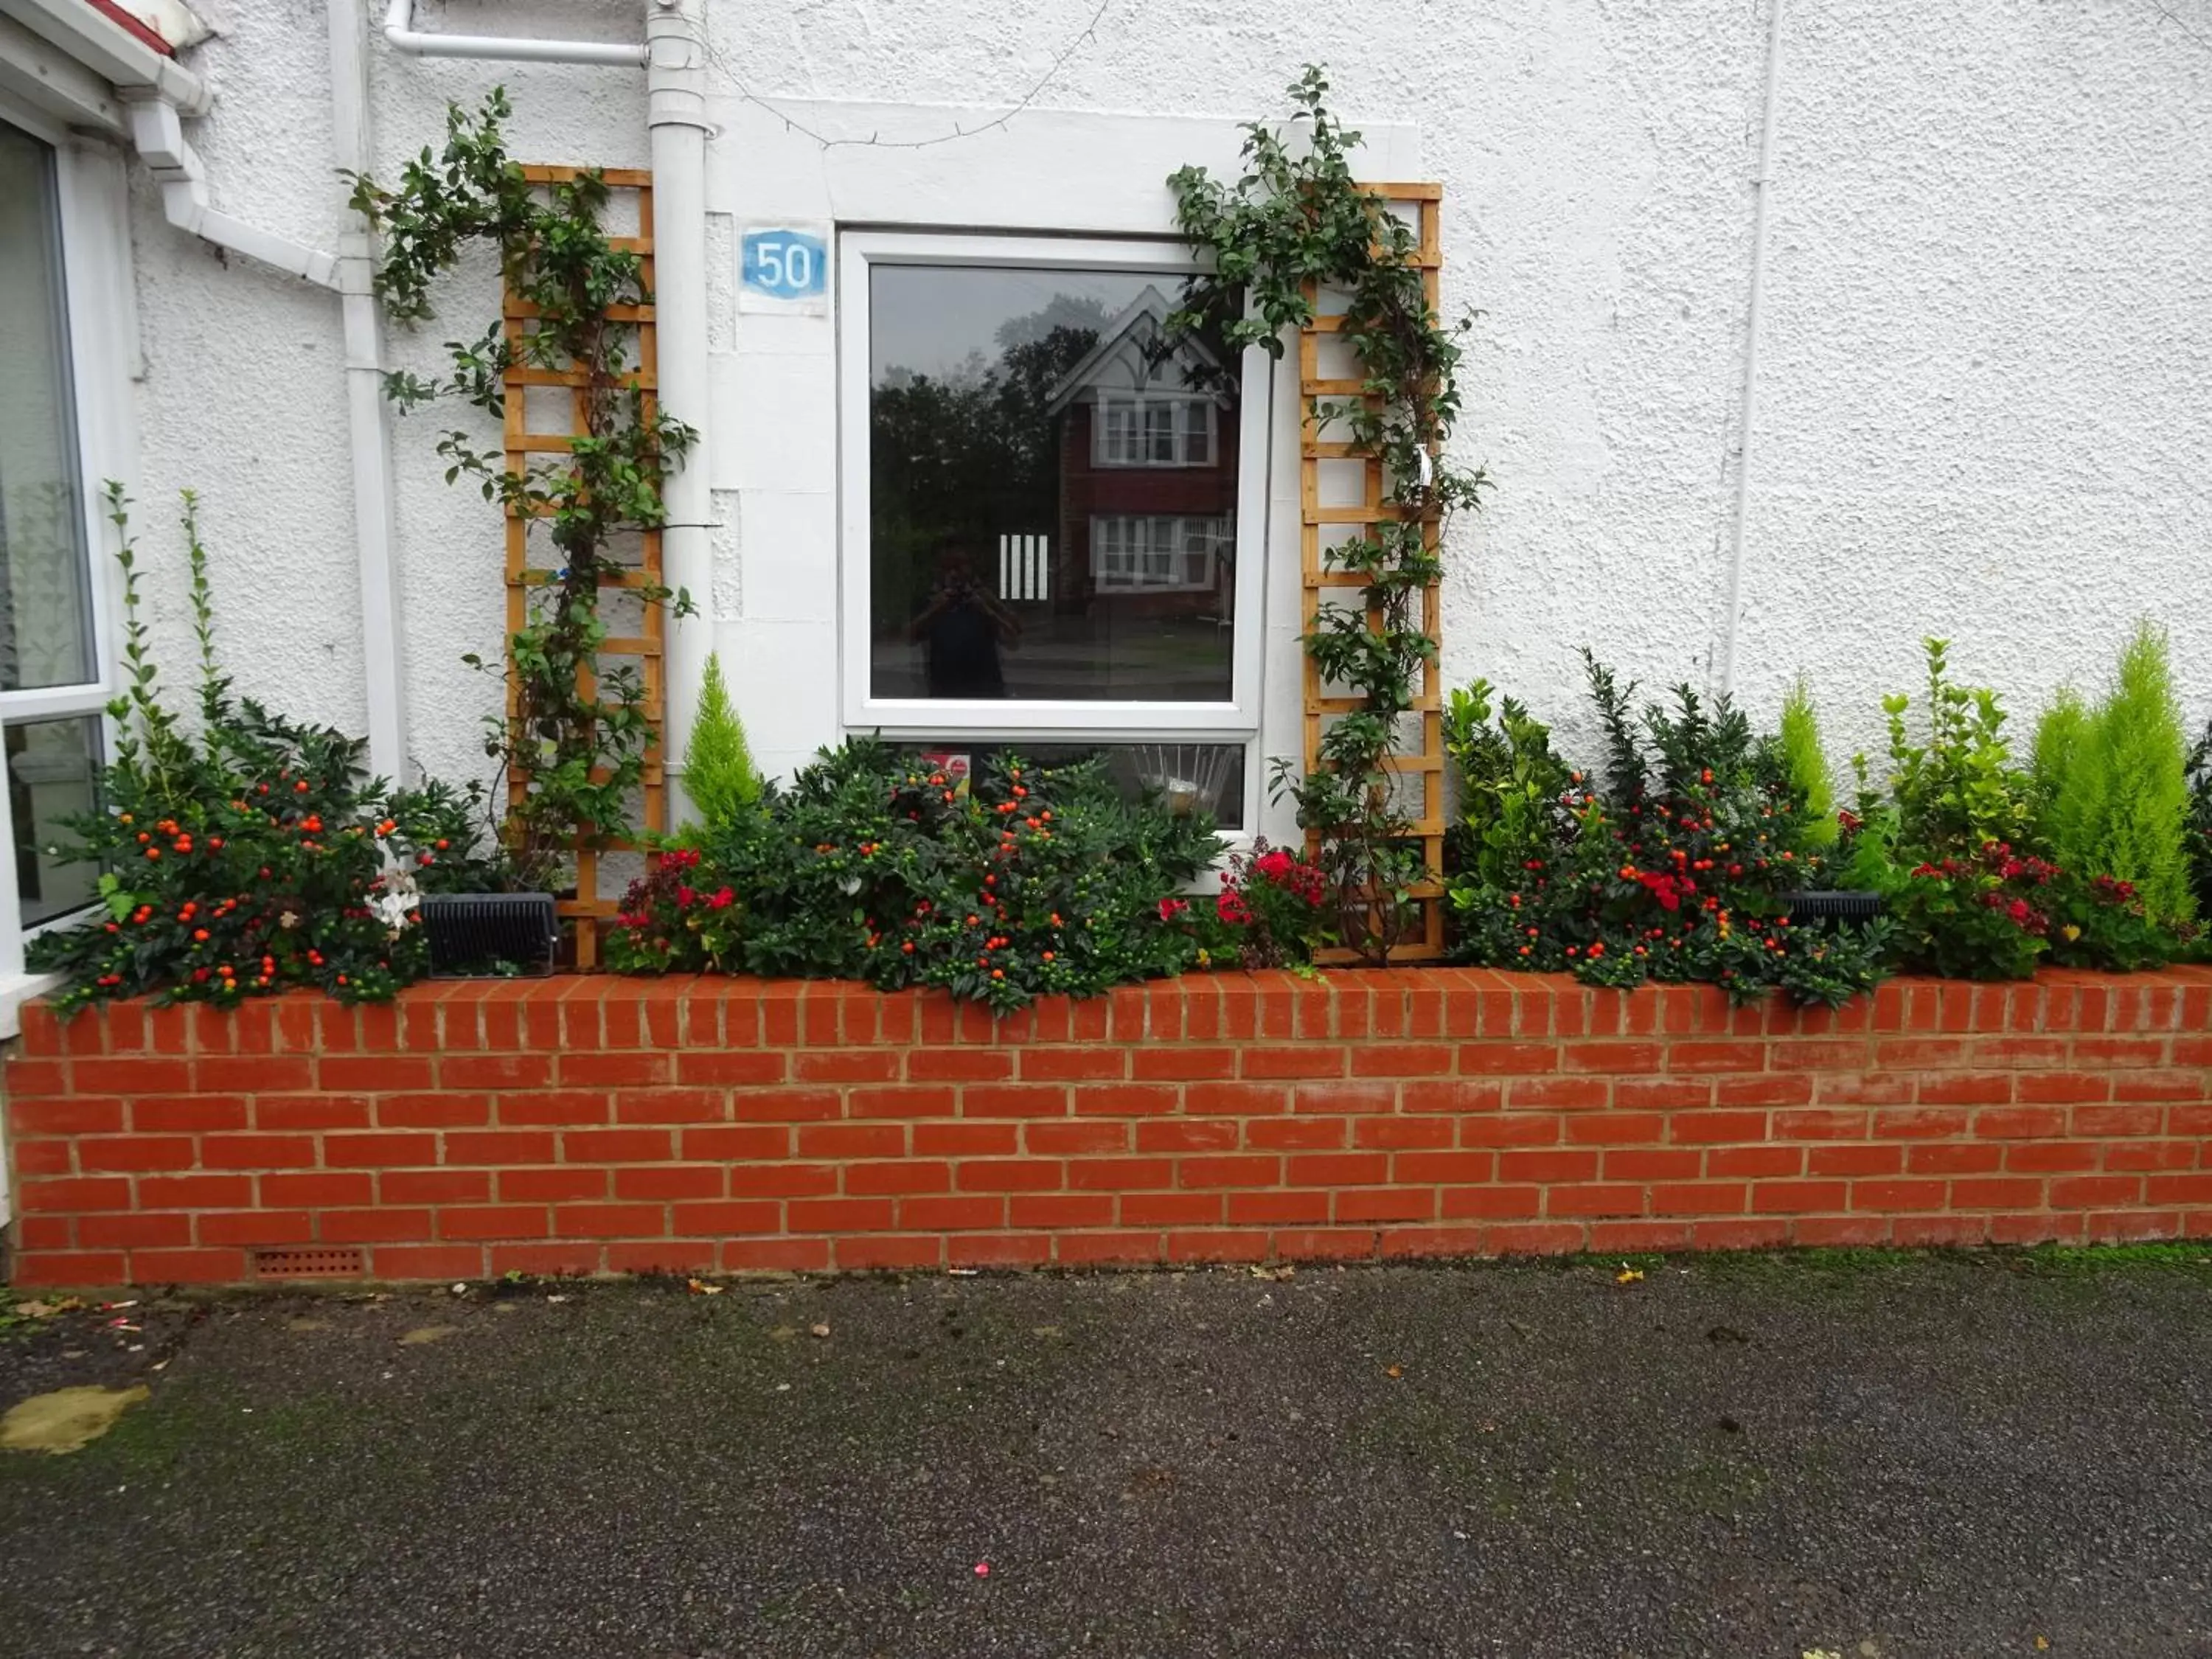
(584, 1125)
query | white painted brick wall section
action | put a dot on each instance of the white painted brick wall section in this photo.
(1982, 410)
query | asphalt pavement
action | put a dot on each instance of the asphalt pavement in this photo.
(1866, 1458)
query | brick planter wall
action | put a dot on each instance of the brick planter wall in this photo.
(585, 1124)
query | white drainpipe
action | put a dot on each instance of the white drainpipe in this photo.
(675, 85)
(1763, 187)
(674, 58)
(383, 654)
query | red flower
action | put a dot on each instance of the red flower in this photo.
(685, 897)
(1169, 909)
(722, 900)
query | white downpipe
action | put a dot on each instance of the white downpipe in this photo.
(383, 657)
(675, 78)
(157, 136)
(1762, 194)
(399, 30)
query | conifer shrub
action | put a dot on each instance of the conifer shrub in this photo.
(718, 774)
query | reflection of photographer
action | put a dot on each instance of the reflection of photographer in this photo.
(961, 630)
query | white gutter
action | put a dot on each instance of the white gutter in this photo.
(399, 31)
(158, 137)
(675, 89)
(109, 49)
(1763, 193)
(383, 655)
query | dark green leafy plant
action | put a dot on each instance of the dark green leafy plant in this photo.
(1677, 868)
(253, 856)
(1295, 221)
(873, 865)
(577, 728)
(2197, 831)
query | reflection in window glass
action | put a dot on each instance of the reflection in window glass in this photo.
(1052, 488)
(53, 770)
(1206, 777)
(44, 611)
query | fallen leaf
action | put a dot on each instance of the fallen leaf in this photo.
(821, 1330)
(1394, 1372)
(1628, 1275)
(2041, 1643)
(65, 1419)
(701, 1287)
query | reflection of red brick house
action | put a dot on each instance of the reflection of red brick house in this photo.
(1147, 443)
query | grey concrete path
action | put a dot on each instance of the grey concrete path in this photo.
(1735, 1457)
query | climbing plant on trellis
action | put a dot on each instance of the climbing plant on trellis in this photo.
(575, 419)
(1297, 243)
(569, 369)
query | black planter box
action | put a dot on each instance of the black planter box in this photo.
(1833, 906)
(478, 934)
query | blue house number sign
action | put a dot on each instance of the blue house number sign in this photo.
(783, 268)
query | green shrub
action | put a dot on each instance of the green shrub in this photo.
(2113, 783)
(718, 763)
(1960, 790)
(1676, 869)
(2197, 833)
(871, 866)
(1807, 763)
(253, 857)
(1989, 868)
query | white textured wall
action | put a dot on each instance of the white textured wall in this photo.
(1982, 407)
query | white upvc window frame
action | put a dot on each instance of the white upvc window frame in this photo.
(1140, 405)
(1179, 551)
(95, 285)
(1236, 721)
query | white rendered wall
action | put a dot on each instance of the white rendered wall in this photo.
(1982, 409)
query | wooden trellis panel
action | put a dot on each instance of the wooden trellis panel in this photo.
(1420, 765)
(590, 907)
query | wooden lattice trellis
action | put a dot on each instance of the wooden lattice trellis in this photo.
(1419, 766)
(589, 908)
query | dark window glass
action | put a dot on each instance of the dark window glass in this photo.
(45, 611)
(1208, 777)
(1052, 511)
(53, 774)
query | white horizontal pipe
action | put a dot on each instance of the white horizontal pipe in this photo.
(398, 30)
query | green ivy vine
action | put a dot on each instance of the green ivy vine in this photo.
(579, 740)
(1298, 221)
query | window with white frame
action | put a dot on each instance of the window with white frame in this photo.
(1147, 428)
(53, 683)
(1159, 553)
(1015, 392)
